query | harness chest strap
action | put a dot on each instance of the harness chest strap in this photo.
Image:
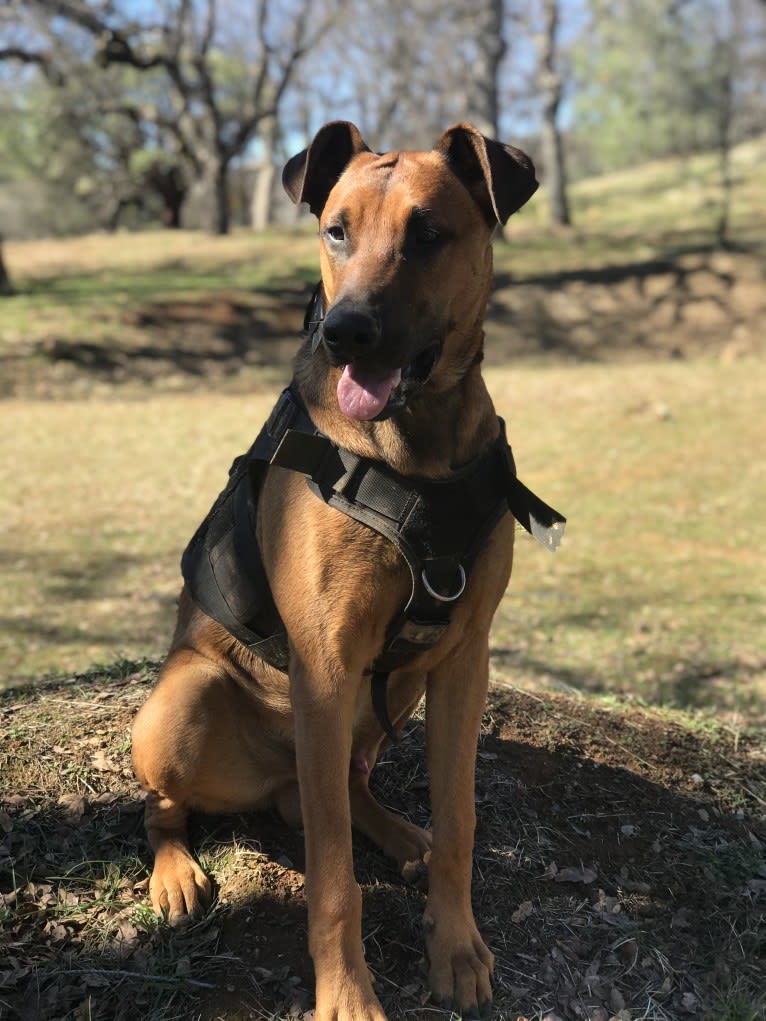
(438, 526)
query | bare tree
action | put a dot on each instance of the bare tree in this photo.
(551, 85)
(409, 68)
(223, 77)
(483, 108)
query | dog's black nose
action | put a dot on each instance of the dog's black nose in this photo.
(351, 330)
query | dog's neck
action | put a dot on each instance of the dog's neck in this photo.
(444, 426)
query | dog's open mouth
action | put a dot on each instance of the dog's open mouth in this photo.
(366, 392)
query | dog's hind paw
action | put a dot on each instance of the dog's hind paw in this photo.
(416, 872)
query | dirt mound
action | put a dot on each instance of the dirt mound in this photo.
(699, 303)
(696, 303)
(620, 872)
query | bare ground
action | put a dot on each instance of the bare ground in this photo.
(620, 871)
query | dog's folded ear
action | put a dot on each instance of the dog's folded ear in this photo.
(310, 176)
(500, 177)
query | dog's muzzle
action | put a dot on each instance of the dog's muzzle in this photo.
(352, 336)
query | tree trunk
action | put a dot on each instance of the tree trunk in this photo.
(725, 48)
(483, 107)
(551, 85)
(214, 188)
(261, 204)
(6, 288)
(552, 149)
(168, 182)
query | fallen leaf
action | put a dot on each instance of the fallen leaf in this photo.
(183, 967)
(105, 798)
(627, 951)
(616, 1000)
(524, 910)
(74, 805)
(100, 761)
(126, 931)
(575, 875)
(689, 1002)
(99, 979)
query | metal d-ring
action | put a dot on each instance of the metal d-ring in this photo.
(436, 595)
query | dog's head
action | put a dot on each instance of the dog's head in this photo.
(405, 254)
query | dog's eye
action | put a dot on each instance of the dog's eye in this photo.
(426, 234)
(335, 232)
(424, 237)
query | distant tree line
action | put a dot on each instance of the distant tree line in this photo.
(116, 113)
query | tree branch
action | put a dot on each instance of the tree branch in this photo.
(42, 60)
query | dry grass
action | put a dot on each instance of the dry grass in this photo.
(656, 592)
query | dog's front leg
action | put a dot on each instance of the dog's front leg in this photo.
(460, 963)
(324, 710)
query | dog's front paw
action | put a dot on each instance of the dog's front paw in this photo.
(353, 1004)
(178, 889)
(461, 966)
(344, 988)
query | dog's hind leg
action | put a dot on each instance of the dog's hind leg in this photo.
(397, 838)
(190, 751)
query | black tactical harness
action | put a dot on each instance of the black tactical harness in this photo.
(438, 526)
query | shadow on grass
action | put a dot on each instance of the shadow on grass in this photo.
(78, 574)
(687, 684)
(170, 281)
(598, 881)
(80, 602)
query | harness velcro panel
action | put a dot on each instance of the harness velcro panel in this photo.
(385, 494)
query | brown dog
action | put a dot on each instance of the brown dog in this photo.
(391, 377)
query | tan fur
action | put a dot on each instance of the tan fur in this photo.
(225, 731)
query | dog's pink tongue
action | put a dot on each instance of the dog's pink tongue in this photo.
(362, 393)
